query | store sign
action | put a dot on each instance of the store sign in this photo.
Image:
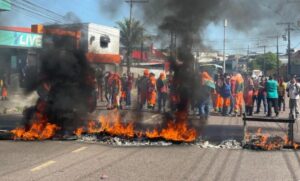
(5, 5)
(20, 39)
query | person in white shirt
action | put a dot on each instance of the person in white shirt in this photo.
(293, 90)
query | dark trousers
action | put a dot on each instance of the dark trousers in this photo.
(128, 97)
(142, 99)
(249, 110)
(204, 108)
(255, 99)
(261, 98)
(272, 102)
(162, 99)
(100, 91)
(281, 103)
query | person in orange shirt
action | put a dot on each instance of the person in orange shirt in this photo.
(151, 92)
(239, 91)
(248, 96)
(117, 90)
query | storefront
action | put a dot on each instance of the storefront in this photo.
(16, 45)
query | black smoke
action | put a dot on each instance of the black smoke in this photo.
(110, 8)
(71, 88)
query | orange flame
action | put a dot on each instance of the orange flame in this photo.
(265, 144)
(174, 131)
(78, 132)
(287, 142)
(112, 124)
(39, 130)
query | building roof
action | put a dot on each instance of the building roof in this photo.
(13, 28)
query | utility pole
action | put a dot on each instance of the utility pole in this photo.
(289, 29)
(277, 54)
(264, 59)
(142, 45)
(130, 22)
(224, 46)
(173, 43)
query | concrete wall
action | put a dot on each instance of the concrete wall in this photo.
(97, 31)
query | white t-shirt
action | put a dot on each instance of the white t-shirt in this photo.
(294, 90)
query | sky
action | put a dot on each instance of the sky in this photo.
(90, 11)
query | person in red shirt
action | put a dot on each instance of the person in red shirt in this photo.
(4, 92)
(162, 90)
(232, 97)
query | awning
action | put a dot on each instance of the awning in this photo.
(103, 58)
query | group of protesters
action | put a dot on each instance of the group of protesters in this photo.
(152, 91)
(232, 91)
(228, 94)
(117, 89)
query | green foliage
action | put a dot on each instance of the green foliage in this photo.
(269, 59)
(130, 35)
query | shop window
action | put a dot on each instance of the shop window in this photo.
(104, 41)
(92, 39)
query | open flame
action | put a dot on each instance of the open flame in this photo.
(267, 142)
(111, 123)
(175, 131)
(40, 129)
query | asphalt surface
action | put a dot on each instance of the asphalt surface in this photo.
(56, 160)
(74, 160)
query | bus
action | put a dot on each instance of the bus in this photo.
(211, 69)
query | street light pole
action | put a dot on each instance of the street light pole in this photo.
(224, 46)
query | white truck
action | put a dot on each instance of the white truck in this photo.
(256, 74)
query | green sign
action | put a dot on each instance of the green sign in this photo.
(20, 39)
(5, 5)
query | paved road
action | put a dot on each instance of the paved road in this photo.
(55, 160)
(73, 160)
(216, 130)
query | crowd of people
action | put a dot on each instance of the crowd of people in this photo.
(235, 94)
(228, 94)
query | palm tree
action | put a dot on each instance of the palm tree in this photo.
(131, 35)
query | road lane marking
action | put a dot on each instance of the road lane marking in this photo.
(154, 116)
(79, 149)
(44, 165)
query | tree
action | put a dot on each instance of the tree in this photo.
(268, 60)
(131, 35)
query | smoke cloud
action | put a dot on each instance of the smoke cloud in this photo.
(110, 8)
(193, 16)
(66, 88)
